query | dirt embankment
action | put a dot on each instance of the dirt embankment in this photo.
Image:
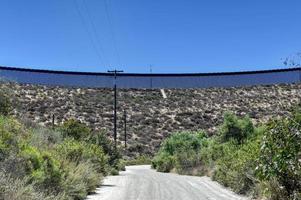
(151, 117)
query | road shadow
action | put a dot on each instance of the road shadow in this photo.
(107, 185)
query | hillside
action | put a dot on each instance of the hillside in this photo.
(150, 117)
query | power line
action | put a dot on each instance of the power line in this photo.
(88, 32)
(112, 31)
(95, 32)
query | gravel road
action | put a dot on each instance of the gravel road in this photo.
(143, 183)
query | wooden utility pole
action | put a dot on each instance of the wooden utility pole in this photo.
(125, 136)
(115, 104)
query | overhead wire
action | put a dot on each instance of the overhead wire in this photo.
(98, 40)
(109, 18)
(86, 27)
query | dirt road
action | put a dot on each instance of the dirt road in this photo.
(143, 183)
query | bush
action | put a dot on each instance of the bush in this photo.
(211, 151)
(75, 129)
(42, 168)
(235, 128)
(114, 172)
(230, 157)
(279, 159)
(187, 162)
(63, 164)
(163, 162)
(44, 138)
(77, 152)
(140, 160)
(81, 179)
(182, 141)
(19, 189)
(262, 161)
(101, 140)
(11, 133)
(5, 104)
(179, 151)
(236, 168)
(121, 165)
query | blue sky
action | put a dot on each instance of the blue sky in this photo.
(171, 35)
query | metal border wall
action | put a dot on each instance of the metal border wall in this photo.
(150, 81)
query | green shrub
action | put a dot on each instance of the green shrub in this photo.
(230, 158)
(80, 151)
(44, 138)
(163, 162)
(42, 168)
(140, 160)
(75, 129)
(5, 103)
(180, 151)
(81, 179)
(182, 141)
(38, 163)
(108, 147)
(235, 128)
(114, 172)
(236, 168)
(11, 132)
(121, 165)
(187, 162)
(261, 162)
(19, 189)
(210, 152)
(279, 159)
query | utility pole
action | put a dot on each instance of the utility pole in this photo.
(52, 121)
(124, 115)
(115, 104)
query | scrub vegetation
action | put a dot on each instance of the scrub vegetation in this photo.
(262, 161)
(66, 162)
(139, 160)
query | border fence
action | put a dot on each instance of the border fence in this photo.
(150, 81)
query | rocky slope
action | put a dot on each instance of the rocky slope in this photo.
(151, 117)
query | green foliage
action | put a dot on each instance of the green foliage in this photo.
(42, 168)
(114, 172)
(179, 151)
(187, 162)
(262, 161)
(81, 179)
(121, 165)
(75, 129)
(182, 141)
(235, 128)
(19, 189)
(10, 134)
(235, 168)
(5, 103)
(140, 160)
(80, 151)
(212, 150)
(279, 159)
(101, 140)
(44, 138)
(163, 162)
(230, 157)
(79, 131)
(41, 163)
